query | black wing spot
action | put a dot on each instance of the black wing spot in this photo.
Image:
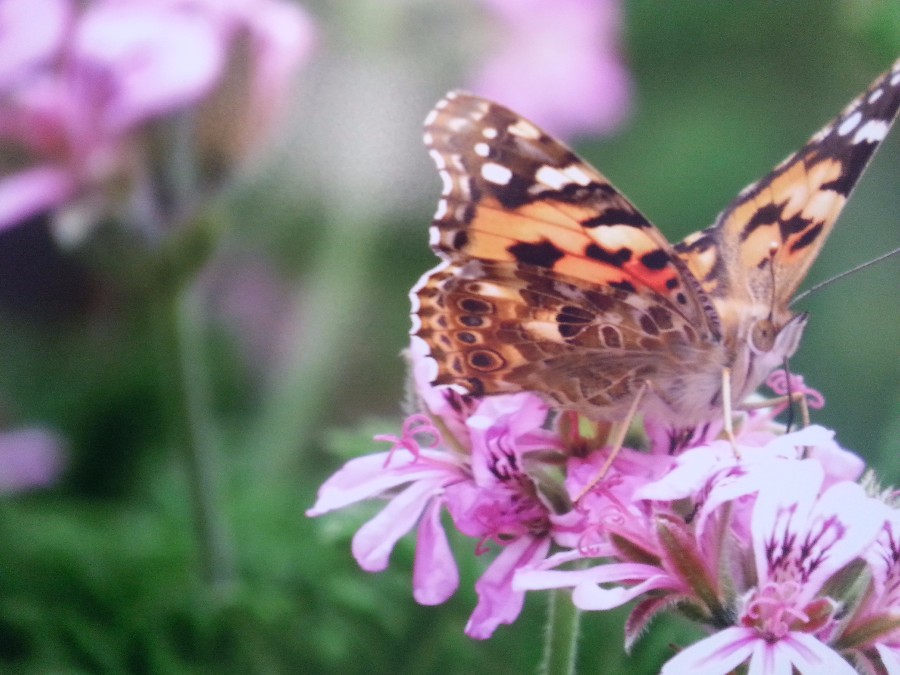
(655, 260)
(614, 258)
(475, 306)
(573, 314)
(768, 214)
(612, 217)
(807, 238)
(648, 325)
(485, 360)
(460, 239)
(626, 286)
(542, 254)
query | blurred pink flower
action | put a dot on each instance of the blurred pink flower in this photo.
(29, 459)
(30, 32)
(75, 101)
(558, 62)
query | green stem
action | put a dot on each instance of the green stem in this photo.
(186, 392)
(561, 635)
(333, 298)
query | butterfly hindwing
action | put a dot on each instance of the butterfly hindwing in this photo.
(496, 327)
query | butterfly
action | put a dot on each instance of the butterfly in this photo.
(552, 282)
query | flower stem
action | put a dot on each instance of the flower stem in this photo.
(333, 298)
(561, 635)
(186, 392)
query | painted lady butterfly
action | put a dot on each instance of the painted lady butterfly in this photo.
(552, 282)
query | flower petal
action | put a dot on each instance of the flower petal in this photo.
(497, 601)
(29, 458)
(32, 31)
(374, 541)
(29, 192)
(810, 655)
(530, 579)
(890, 657)
(157, 58)
(435, 576)
(591, 597)
(719, 653)
(367, 476)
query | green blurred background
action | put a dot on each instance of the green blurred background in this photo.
(100, 573)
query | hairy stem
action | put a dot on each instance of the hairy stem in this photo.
(561, 635)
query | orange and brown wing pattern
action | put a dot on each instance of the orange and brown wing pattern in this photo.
(511, 193)
(501, 327)
(551, 281)
(763, 244)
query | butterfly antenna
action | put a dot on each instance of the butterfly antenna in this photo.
(852, 270)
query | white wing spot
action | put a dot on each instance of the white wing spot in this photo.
(850, 123)
(457, 124)
(895, 80)
(489, 132)
(552, 177)
(446, 182)
(871, 132)
(577, 174)
(427, 138)
(875, 95)
(525, 130)
(438, 159)
(441, 210)
(482, 149)
(495, 173)
(432, 116)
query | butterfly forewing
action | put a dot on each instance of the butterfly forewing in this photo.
(512, 193)
(764, 242)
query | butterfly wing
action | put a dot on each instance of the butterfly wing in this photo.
(503, 327)
(762, 245)
(550, 275)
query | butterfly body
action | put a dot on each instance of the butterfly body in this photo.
(553, 282)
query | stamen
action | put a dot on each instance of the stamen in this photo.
(415, 425)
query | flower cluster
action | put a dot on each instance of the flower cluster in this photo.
(81, 83)
(558, 62)
(770, 543)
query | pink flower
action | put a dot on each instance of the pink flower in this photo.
(558, 63)
(763, 541)
(802, 537)
(29, 459)
(478, 478)
(872, 634)
(76, 102)
(685, 530)
(31, 31)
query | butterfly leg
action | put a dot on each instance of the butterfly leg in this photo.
(618, 440)
(798, 397)
(728, 412)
